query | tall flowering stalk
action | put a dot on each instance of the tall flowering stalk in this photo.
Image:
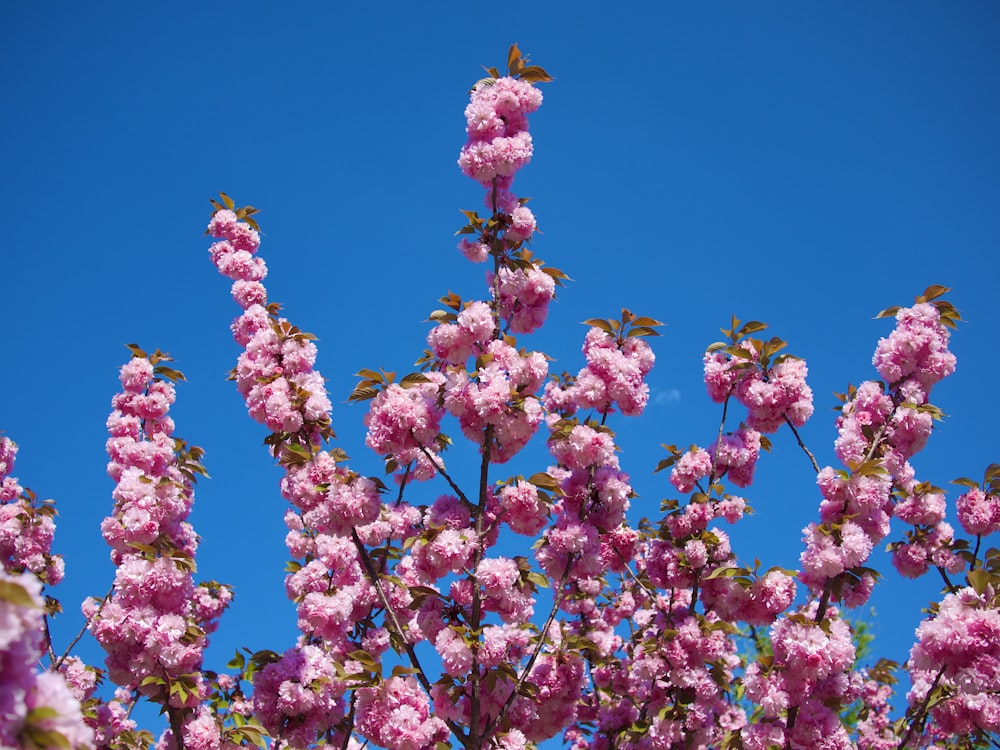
(154, 624)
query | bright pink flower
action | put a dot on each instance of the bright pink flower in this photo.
(979, 512)
(917, 347)
(396, 715)
(692, 466)
(522, 508)
(736, 454)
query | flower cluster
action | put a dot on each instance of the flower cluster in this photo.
(771, 391)
(36, 709)
(472, 331)
(300, 695)
(33, 705)
(524, 295)
(276, 372)
(664, 688)
(26, 525)
(404, 423)
(497, 125)
(807, 680)
(614, 375)
(396, 715)
(979, 512)
(957, 655)
(917, 348)
(153, 626)
(880, 427)
(499, 397)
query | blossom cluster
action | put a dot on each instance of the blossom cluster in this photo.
(499, 397)
(26, 526)
(880, 427)
(154, 625)
(275, 373)
(33, 705)
(613, 376)
(957, 654)
(497, 125)
(771, 392)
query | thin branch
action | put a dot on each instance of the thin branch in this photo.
(83, 630)
(477, 602)
(440, 470)
(397, 627)
(556, 601)
(349, 721)
(952, 588)
(402, 482)
(824, 601)
(718, 440)
(802, 445)
(920, 714)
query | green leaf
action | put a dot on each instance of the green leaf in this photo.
(16, 594)
(413, 379)
(41, 713)
(979, 579)
(363, 393)
(933, 292)
(544, 480)
(642, 331)
(45, 738)
(538, 579)
(726, 573)
(740, 352)
(604, 325)
(534, 74)
(889, 312)
(513, 56)
(752, 326)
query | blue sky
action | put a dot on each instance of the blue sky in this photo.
(801, 164)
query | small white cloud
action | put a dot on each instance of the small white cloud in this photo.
(667, 396)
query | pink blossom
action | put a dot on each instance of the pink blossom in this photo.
(522, 508)
(917, 347)
(524, 297)
(979, 512)
(695, 464)
(736, 454)
(396, 715)
(475, 251)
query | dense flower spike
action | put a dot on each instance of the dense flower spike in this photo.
(154, 625)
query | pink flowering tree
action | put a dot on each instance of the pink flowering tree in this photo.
(421, 625)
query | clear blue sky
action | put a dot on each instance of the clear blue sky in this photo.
(802, 164)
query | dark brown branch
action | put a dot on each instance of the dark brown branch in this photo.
(397, 627)
(802, 445)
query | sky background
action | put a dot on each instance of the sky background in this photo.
(806, 165)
